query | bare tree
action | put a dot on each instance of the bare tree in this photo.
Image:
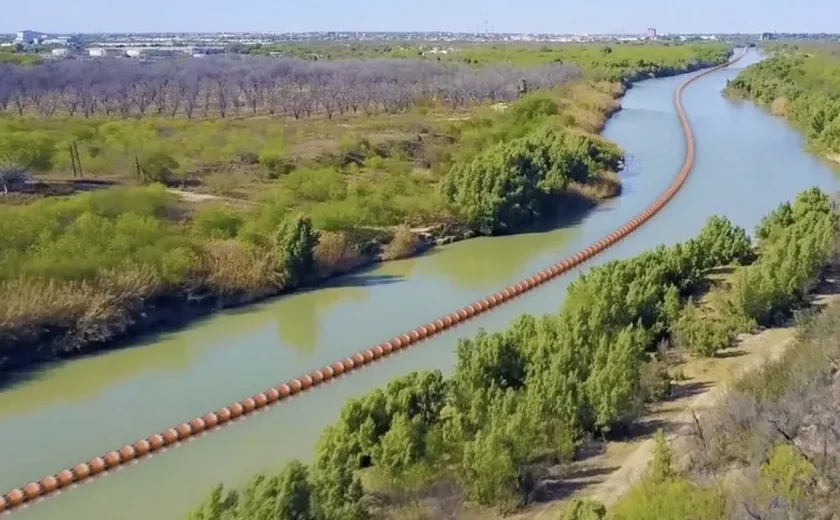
(298, 88)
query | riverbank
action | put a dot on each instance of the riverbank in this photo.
(801, 87)
(28, 348)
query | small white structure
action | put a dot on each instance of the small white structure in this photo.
(152, 52)
(100, 52)
(61, 52)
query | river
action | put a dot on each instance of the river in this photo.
(747, 163)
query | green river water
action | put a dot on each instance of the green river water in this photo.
(747, 163)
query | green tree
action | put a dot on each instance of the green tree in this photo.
(491, 471)
(401, 447)
(159, 166)
(787, 475)
(579, 509)
(217, 506)
(295, 241)
(21, 152)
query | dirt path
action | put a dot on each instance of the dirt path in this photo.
(609, 473)
(189, 196)
(756, 350)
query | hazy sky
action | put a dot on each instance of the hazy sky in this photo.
(565, 16)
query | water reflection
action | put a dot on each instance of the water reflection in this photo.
(470, 264)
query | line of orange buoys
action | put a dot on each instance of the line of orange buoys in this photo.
(86, 471)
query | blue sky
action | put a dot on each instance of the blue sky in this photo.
(595, 16)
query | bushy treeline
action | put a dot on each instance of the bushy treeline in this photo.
(802, 86)
(512, 176)
(525, 398)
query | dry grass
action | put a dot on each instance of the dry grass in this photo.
(404, 243)
(335, 253)
(231, 267)
(779, 107)
(604, 185)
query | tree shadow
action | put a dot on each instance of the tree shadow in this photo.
(722, 270)
(687, 389)
(29, 367)
(558, 487)
(636, 430)
(729, 354)
(370, 280)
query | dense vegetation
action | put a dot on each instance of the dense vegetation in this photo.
(521, 401)
(804, 87)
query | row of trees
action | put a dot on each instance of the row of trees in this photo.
(524, 398)
(804, 87)
(233, 85)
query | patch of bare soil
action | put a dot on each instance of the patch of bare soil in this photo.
(197, 198)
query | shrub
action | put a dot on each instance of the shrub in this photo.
(702, 332)
(584, 510)
(217, 223)
(295, 241)
(334, 252)
(159, 167)
(403, 243)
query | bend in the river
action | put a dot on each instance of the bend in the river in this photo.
(85, 472)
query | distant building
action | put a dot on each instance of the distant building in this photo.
(28, 37)
(651, 33)
(100, 52)
(768, 36)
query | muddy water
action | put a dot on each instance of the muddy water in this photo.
(747, 163)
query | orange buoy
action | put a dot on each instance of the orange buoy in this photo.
(32, 491)
(48, 484)
(223, 415)
(183, 430)
(170, 436)
(197, 425)
(296, 385)
(261, 399)
(248, 405)
(97, 465)
(65, 477)
(15, 498)
(127, 453)
(142, 447)
(82, 471)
